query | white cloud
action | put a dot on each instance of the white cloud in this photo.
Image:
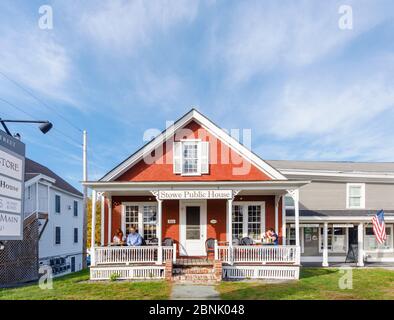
(124, 26)
(267, 35)
(36, 60)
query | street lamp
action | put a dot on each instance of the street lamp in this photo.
(44, 126)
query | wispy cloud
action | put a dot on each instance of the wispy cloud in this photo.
(124, 26)
(262, 36)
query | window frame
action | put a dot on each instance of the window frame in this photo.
(60, 203)
(198, 143)
(75, 202)
(391, 249)
(362, 195)
(245, 222)
(76, 234)
(321, 240)
(140, 223)
(60, 235)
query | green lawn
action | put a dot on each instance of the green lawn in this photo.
(75, 287)
(316, 283)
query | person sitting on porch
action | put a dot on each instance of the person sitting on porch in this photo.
(134, 238)
(119, 238)
(272, 235)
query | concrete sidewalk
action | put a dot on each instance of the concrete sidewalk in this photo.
(194, 292)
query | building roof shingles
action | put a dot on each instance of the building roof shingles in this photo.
(33, 169)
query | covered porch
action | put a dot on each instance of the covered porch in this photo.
(194, 219)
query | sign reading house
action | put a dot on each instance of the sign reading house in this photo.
(12, 168)
(195, 194)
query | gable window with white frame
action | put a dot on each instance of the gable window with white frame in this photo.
(142, 217)
(248, 220)
(191, 157)
(355, 196)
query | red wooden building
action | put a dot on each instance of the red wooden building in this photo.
(194, 187)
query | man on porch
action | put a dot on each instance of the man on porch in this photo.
(134, 239)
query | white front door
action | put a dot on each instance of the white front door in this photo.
(193, 228)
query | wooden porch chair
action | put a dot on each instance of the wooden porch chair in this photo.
(210, 246)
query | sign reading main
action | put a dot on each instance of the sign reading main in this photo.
(12, 172)
(195, 194)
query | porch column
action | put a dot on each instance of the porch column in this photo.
(325, 245)
(296, 197)
(92, 243)
(102, 220)
(109, 230)
(229, 222)
(277, 199)
(159, 222)
(159, 231)
(360, 240)
(283, 221)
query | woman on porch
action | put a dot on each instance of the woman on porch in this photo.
(119, 239)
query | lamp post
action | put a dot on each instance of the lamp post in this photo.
(45, 126)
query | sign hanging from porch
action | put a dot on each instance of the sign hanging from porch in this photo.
(195, 194)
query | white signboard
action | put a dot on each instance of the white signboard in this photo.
(195, 194)
(10, 224)
(12, 172)
(10, 165)
(10, 205)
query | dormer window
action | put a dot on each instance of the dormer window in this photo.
(191, 157)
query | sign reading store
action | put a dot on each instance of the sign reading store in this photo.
(194, 194)
(12, 164)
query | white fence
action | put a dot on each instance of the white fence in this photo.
(258, 254)
(262, 272)
(132, 255)
(123, 273)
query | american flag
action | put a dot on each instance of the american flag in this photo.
(379, 227)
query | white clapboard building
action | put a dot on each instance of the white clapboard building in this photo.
(59, 207)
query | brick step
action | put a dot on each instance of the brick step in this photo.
(193, 270)
(203, 278)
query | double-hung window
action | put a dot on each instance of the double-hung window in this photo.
(248, 220)
(191, 157)
(142, 217)
(355, 196)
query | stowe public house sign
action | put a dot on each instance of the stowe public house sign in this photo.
(195, 194)
(12, 174)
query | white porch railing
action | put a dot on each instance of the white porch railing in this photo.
(259, 254)
(132, 255)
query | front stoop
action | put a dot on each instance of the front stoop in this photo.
(206, 273)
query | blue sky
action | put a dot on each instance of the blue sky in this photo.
(306, 88)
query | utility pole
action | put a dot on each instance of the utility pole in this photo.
(85, 198)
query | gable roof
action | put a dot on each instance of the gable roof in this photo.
(194, 115)
(34, 169)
